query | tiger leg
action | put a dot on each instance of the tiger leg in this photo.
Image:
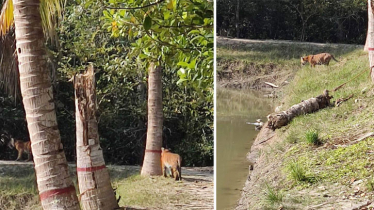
(20, 151)
(180, 173)
(175, 173)
(163, 169)
(29, 156)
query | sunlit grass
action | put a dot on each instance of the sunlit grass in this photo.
(150, 192)
(272, 196)
(311, 137)
(18, 189)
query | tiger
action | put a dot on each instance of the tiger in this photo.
(21, 147)
(171, 164)
(319, 59)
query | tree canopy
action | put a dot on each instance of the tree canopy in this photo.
(338, 21)
(86, 34)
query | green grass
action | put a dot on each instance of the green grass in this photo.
(272, 196)
(149, 192)
(277, 53)
(292, 137)
(297, 172)
(18, 189)
(311, 137)
(370, 184)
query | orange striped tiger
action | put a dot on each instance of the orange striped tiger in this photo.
(171, 162)
(21, 147)
(319, 59)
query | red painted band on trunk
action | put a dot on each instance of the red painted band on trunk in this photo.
(50, 193)
(91, 169)
(154, 151)
(371, 49)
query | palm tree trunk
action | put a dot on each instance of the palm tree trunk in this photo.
(56, 189)
(370, 25)
(278, 120)
(93, 177)
(370, 37)
(152, 156)
(237, 18)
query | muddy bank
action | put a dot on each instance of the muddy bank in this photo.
(237, 74)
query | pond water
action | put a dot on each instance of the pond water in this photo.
(234, 140)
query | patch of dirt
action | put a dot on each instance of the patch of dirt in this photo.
(241, 75)
(197, 182)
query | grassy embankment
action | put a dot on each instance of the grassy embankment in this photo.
(18, 188)
(316, 163)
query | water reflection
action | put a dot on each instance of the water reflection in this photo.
(234, 139)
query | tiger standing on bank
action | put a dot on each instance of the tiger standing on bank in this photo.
(319, 59)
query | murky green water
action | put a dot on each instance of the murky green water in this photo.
(234, 140)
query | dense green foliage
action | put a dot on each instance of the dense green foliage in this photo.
(175, 33)
(337, 21)
(122, 90)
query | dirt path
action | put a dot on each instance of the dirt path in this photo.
(197, 184)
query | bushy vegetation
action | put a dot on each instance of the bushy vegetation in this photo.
(122, 91)
(336, 21)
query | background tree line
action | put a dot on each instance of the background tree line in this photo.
(335, 21)
(121, 92)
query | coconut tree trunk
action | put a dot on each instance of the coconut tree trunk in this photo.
(96, 191)
(152, 155)
(370, 26)
(280, 119)
(56, 189)
(371, 39)
(237, 18)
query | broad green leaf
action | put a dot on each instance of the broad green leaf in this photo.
(166, 15)
(192, 64)
(182, 63)
(147, 23)
(170, 5)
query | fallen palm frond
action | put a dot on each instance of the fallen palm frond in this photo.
(6, 17)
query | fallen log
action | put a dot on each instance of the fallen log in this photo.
(280, 119)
